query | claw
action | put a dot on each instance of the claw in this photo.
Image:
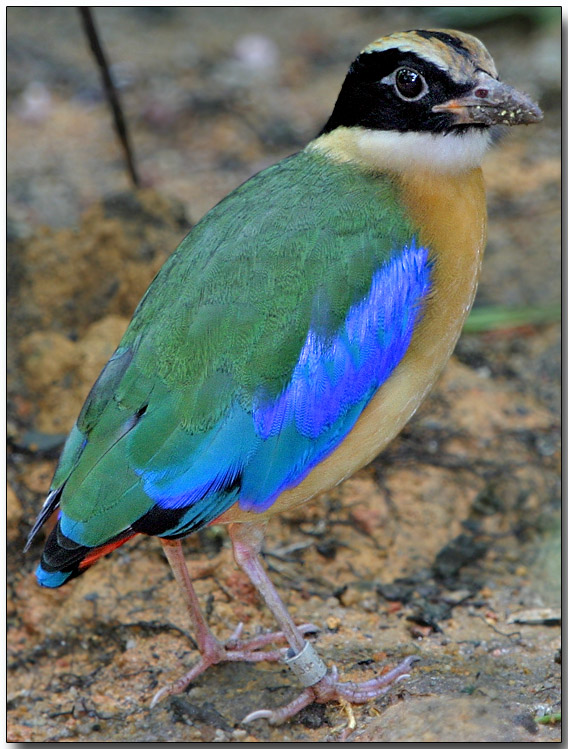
(283, 713)
(232, 650)
(234, 637)
(158, 696)
(330, 689)
(256, 715)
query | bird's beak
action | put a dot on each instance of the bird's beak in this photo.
(492, 103)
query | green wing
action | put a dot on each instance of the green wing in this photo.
(163, 441)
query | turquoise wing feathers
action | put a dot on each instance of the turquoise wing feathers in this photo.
(248, 360)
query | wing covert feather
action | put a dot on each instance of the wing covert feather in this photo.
(250, 356)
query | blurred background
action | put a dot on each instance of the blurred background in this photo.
(211, 96)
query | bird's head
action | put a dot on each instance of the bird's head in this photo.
(424, 98)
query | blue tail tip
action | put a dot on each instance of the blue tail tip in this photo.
(51, 579)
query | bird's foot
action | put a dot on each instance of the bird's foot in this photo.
(233, 649)
(330, 689)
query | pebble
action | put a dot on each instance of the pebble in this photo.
(333, 623)
(370, 604)
(351, 597)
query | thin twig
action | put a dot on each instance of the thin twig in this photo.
(110, 90)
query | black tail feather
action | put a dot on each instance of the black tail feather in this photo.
(63, 559)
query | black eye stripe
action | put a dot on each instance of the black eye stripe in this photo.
(377, 65)
(368, 100)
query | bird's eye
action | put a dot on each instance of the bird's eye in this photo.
(409, 84)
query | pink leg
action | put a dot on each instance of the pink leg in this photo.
(206, 640)
(247, 542)
(212, 651)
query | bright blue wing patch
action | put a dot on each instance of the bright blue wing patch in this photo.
(335, 379)
(253, 457)
(332, 375)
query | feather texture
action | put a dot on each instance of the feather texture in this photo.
(248, 360)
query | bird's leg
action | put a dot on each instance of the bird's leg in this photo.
(321, 685)
(212, 650)
(208, 645)
(247, 543)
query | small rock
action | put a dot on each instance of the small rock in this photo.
(351, 597)
(333, 623)
(369, 604)
(419, 632)
(393, 607)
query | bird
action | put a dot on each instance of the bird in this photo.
(290, 337)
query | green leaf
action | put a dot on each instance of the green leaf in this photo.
(549, 719)
(483, 319)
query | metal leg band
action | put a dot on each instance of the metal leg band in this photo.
(307, 665)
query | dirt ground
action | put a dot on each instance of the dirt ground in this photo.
(447, 546)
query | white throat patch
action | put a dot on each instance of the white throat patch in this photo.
(388, 150)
